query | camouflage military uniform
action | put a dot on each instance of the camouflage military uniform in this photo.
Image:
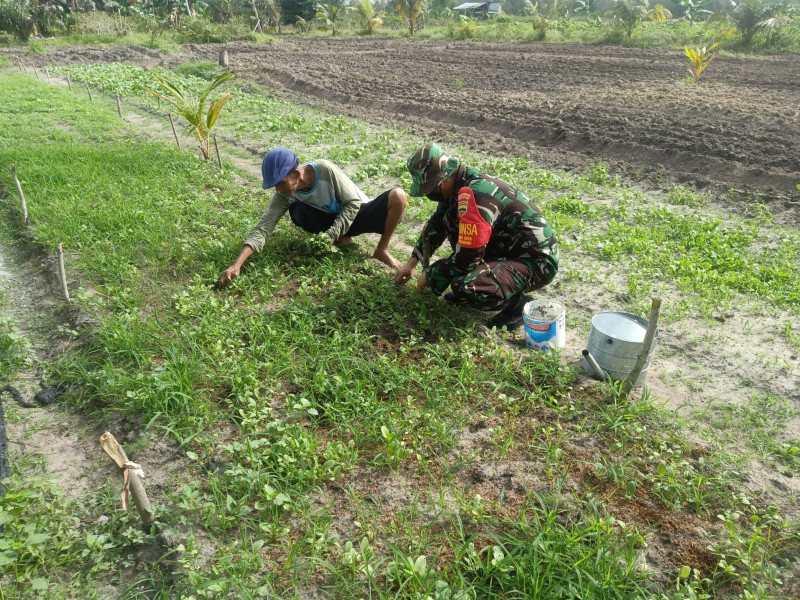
(520, 255)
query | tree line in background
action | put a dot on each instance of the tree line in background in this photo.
(220, 20)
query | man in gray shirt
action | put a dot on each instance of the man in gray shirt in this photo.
(320, 198)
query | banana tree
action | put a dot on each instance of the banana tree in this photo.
(192, 108)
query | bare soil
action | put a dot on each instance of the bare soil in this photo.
(561, 105)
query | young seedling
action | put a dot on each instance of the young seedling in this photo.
(193, 109)
(700, 57)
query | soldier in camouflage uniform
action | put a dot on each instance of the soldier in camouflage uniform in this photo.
(502, 245)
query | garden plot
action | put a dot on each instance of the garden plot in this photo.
(560, 105)
(345, 437)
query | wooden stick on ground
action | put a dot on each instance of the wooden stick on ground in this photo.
(647, 345)
(62, 272)
(119, 107)
(69, 83)
(216, 147)
(21, 196)
(89, 91)
(131, 479)
(47, 72)
(175, 133)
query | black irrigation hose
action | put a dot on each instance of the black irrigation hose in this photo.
(45, 396)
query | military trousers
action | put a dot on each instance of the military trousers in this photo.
(497, 283)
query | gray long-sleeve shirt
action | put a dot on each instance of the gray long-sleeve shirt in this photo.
(333, 192)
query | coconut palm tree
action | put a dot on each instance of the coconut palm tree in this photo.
(411, 11)
(367, 17)
(629, 13)
(192, 108)
(330, 12)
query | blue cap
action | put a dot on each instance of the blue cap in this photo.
(277, 164)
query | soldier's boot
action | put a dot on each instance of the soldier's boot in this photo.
(511, 316)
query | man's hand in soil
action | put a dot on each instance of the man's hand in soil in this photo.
(229, 275)
(406, 271)
(233, 271)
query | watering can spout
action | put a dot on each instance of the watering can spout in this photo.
(598, 372)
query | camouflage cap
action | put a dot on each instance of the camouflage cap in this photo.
(429, 166)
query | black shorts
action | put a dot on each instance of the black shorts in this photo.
(371, 217)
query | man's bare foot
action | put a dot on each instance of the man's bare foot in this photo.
(386, 258)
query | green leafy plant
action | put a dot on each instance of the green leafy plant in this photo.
(700, 57)
(467, 27)
(320, 244)
(303, 25)
(750, 16)
(629, 13)
(692, 9)
(367, 18)
(330, 13)
(773, 26)
(192, 108)
(395, 450)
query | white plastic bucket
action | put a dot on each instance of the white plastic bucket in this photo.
(545, 321)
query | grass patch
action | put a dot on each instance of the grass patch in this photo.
(340, 434)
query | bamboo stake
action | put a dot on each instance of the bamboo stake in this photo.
(21, 196)
(89, 91)
(47, 72)
(62, 272)
(24, 68)
(119, 107)
(36, 71)
(175, 133)
(647, 345)
(19, 63)
(131, 479)
(216, 147)
(69, 83)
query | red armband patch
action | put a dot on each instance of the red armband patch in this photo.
(473, 230)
